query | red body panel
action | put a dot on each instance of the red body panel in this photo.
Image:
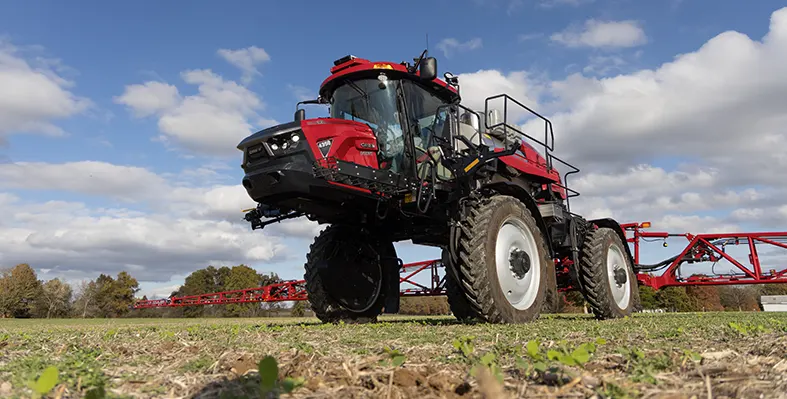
(533, 164)
(351, 141)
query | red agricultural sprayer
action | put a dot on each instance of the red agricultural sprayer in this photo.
(401, 158)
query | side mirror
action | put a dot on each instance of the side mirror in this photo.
(300, 115)
(428, 68)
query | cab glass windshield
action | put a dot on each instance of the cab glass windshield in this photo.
(425, 113)
(364, 101)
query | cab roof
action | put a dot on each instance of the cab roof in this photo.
(360, 68)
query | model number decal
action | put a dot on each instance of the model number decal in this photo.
(325, 147)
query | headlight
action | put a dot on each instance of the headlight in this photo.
(285, 142)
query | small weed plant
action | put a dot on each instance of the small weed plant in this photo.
(270, 384)
(478, 362)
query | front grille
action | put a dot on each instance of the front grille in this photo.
(275, 146)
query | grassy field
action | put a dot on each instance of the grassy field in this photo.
(736, 355)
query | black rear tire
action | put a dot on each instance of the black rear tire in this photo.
(345, 277)
(552, 300)
(609, 284)
(507, 220)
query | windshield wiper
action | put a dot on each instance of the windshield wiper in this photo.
(358, 89)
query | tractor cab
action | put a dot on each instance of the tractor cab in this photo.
(404, 106)
(417, 119)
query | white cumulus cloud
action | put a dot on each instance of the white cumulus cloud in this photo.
(211, 122)
(722, 105)
(163, 227)
(84, 177)
(33, 94)
(81, 242)
(451, 45)
(246, 59)
(602, 34)
(148, 98)
(476, 87)
(557, 3)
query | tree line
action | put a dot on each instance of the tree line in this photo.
(23, 295)
(708, 298)
(702, 298)
(212, 279)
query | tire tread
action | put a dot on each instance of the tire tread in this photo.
(592, 272)
(472, 267)
(324, 307)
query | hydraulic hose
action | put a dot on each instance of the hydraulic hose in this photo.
(661, 264)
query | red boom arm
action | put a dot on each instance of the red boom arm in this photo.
(295, 290)
(701, 248)
(709, 248)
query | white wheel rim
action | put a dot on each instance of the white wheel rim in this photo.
(519, 291)
(621, 293)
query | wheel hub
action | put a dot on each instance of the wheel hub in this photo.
(621, 276)
(520, 263)
(517, 263)
(617, 276)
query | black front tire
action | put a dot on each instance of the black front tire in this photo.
(457, 301)
(607, 297)
(477, 260)
(345, 277)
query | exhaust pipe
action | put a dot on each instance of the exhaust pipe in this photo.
(300, 115)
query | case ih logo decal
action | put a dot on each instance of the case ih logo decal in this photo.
(254, 150)
(324, 147)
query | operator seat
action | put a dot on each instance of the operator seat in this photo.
(424, 171)
(469, 127)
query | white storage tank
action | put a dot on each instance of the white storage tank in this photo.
(774, 303)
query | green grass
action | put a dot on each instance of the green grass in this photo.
(735, 354)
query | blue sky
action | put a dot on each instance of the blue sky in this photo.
(102, 48)
(110, 45)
